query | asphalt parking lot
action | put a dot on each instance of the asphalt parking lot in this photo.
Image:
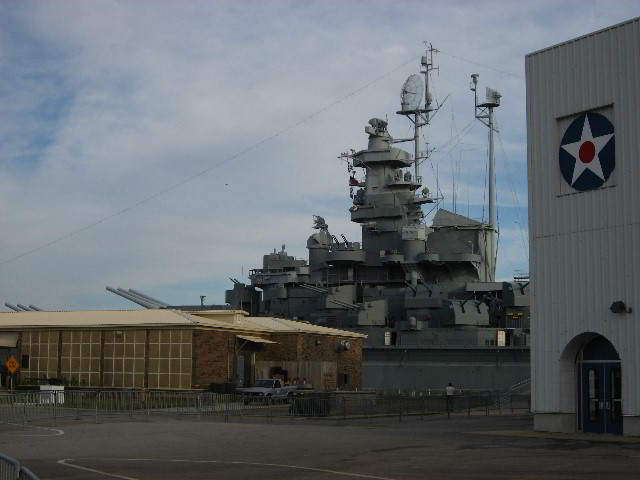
(476, 447)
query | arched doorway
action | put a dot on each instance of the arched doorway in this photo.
(599, 382)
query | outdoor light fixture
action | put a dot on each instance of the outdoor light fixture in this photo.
(619, 307)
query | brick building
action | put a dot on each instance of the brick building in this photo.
(175, 349)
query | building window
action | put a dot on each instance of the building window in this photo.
(41, 348)
(594, 394)
(170, 358)
(124, 353)
(80, 359)
(616, 395)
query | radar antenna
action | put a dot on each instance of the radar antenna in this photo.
(484, 113)
(412, 94)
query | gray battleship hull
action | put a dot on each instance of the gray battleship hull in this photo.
(423, 369)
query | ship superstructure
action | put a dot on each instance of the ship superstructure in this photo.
(426, 296)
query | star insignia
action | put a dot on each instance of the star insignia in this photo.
(586, 152)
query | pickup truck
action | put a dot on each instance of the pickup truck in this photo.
(267, 390)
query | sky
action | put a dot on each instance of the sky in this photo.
(167, 146)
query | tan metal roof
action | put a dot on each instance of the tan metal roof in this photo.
(82, 318)
(273, 324)
(239, 319)
(283, 326)
(235, 320)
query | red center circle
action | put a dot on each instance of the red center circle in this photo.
(587, 152)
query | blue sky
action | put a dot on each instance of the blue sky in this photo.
(147, 145)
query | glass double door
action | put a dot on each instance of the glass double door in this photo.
(601, 397)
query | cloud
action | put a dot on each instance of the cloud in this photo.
(206, 134)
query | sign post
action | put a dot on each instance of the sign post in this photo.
(12, 365)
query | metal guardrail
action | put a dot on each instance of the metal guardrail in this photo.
(10, 469)
(24, 408)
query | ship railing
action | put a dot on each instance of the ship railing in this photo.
(270, 271)
(515, 389)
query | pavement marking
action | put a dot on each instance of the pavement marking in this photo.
(14, 434)
(64, 462)
(293, 467)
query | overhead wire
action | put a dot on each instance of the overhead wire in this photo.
(482, 65)
(439, 193)
(457, 138)
(454, 141)
(513, 193)
(186, 180)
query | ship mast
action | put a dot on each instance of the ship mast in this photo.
(484, 113)
(419, 115)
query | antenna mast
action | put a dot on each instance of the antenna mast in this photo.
(427, 64)
(484, 113)
(411, 107)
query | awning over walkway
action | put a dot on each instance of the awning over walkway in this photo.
(8, 339)
(249, 338)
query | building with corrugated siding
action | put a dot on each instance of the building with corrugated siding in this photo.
(583, 124)
(164, 348)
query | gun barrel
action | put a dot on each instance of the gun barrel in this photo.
(133, 298)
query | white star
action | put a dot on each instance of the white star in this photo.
(574, 150)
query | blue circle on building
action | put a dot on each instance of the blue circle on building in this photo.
(587, 152)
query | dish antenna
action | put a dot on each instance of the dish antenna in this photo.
(411, 94)
(413, 91)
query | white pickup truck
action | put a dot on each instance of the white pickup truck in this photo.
(267, 390)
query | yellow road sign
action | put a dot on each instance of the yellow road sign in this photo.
(12, 364)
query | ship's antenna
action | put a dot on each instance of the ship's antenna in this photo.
(484, 113)
(427, 64)
(413, 91)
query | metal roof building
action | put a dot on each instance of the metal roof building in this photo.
(583, 125)
(165, 348)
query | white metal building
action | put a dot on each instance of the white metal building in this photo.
(583, 117)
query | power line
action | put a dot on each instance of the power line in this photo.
(208, 169)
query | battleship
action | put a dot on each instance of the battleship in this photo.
(425, 296)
